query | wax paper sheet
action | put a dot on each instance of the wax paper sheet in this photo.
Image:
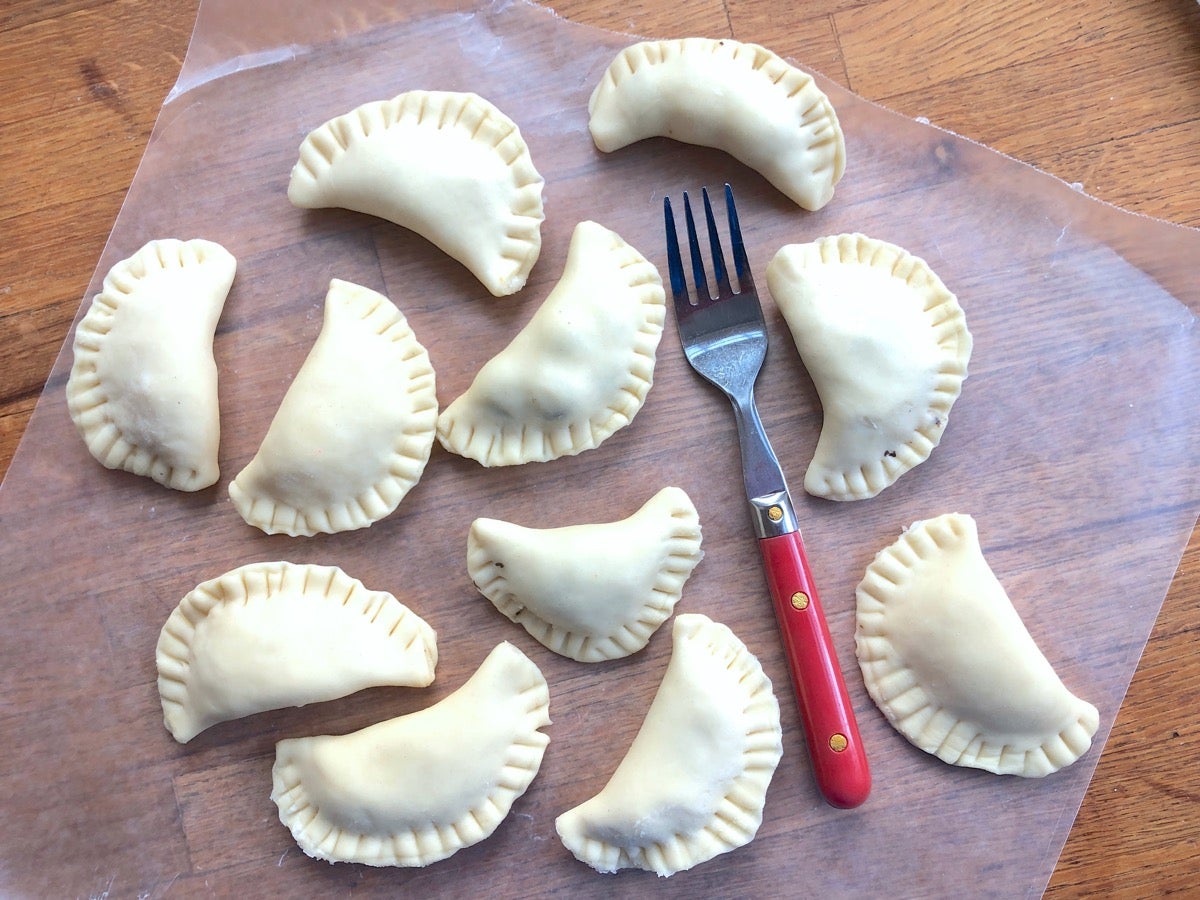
(1071, 445)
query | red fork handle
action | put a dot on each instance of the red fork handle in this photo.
(830, 730)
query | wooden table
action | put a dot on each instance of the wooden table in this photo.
(1106, 95)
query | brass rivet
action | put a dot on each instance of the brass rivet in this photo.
(800, 600)
(838, 743)
(775, 513)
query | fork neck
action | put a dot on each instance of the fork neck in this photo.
(770, 505)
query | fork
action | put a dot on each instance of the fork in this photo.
(725, 340)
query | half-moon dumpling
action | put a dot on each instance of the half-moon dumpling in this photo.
(449, 166)
(740, 98)
(695, 779)
(143, 387)
(419, 788)
(272, 635)
(590, 592)
(887, 347)
(355, 428)
(950, 663)
(577, 372)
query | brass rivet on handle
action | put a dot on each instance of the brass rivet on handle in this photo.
(775, 513)
(838, 743)
(800, 600)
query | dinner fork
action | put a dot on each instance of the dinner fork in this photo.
(724, 339)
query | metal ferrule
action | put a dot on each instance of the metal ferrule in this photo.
(773, 514)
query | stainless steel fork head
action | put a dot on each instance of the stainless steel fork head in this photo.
(724, 336)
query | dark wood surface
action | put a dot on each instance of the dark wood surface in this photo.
(1100, 94)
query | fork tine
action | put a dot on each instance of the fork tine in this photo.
(703, 294)
(741, 263)
(674, 261)
(720, 273)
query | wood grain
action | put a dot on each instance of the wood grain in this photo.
(1104, 95)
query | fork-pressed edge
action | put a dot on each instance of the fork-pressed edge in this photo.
(724, 338)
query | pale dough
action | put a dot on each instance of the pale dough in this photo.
(590, 592)
(276, 634)
(694, 781)
(416, 789)
(143, 386)
(449, 166)
(948, 660)
(887, 347)
(577, 372)
(355, 428)
(736, 97)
